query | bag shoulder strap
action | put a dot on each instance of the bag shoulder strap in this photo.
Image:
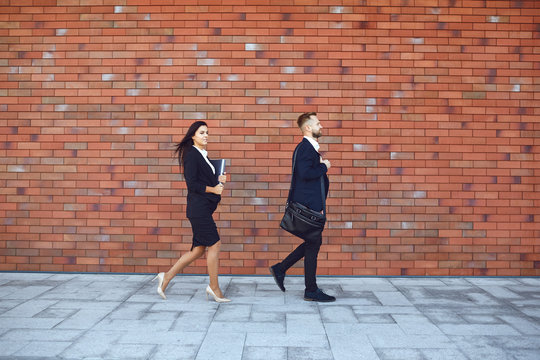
(292, 177)
(323, 195)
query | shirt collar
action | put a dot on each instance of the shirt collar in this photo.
(202, 151)
(313, 142)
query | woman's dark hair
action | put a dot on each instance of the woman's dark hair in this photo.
(187, 141)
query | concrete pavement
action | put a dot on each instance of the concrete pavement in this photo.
(119, 316)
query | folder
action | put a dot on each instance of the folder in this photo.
(219, 165)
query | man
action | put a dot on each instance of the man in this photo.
(309, 169)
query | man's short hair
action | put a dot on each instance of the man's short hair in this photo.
(302, 119)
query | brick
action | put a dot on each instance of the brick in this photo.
(430, 131)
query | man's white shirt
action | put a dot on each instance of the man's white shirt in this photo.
(313, 142)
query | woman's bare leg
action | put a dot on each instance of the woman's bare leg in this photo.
(212, 260)
(184, 261)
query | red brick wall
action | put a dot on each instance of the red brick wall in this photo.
(430, 111)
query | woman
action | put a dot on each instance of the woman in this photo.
(204, 194)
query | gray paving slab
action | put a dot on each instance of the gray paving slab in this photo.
(9, 347)
(351, 347)
(174, 338)
(287, 340)
(133, 325)
(522, 324)
(93, 344)
(175, 352)
(119, 316)
(129, 351)
(28, 323)
(303, 353)
(475, 347)
(400, 354)
(338, 314)
(21, 292)
(501, 292)
(247, 327)
(131, 311)
(524, 354)
(533, 281)
(532, 311)
(438, 354)
(268, 317)
(304, 324)
(478, 329)
(444, 316)
(372, 310)
(194, 321)
(222, 345)
(375, 319)
(8, 304)
(405, 341)
(37, 348)
(390, 298)
(36, 335)
(264, 353)
(233, 312)
(29, 308)
(416, 325)
(384, 329)
(83, 319)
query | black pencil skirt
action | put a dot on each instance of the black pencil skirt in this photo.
(204, 231)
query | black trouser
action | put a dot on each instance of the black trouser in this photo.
(309, 251)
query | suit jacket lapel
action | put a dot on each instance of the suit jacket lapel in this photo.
(316, 153)
(205, 167)
(312, 149)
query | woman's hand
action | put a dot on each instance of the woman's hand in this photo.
(218, 189)
(223, 178)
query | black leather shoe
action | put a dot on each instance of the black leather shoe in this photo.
(318, 296)
(278, 275)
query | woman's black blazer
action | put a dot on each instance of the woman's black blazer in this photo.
(199, 175)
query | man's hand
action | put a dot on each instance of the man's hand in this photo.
(326, 162)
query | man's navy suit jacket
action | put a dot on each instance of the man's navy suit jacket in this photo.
(199, 175)
(307, 174)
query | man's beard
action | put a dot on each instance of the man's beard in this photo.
(316, 135)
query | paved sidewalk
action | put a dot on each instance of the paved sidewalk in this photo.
(108, 316)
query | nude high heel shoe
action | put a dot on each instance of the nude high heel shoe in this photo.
(160, 276)
(216, 298)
